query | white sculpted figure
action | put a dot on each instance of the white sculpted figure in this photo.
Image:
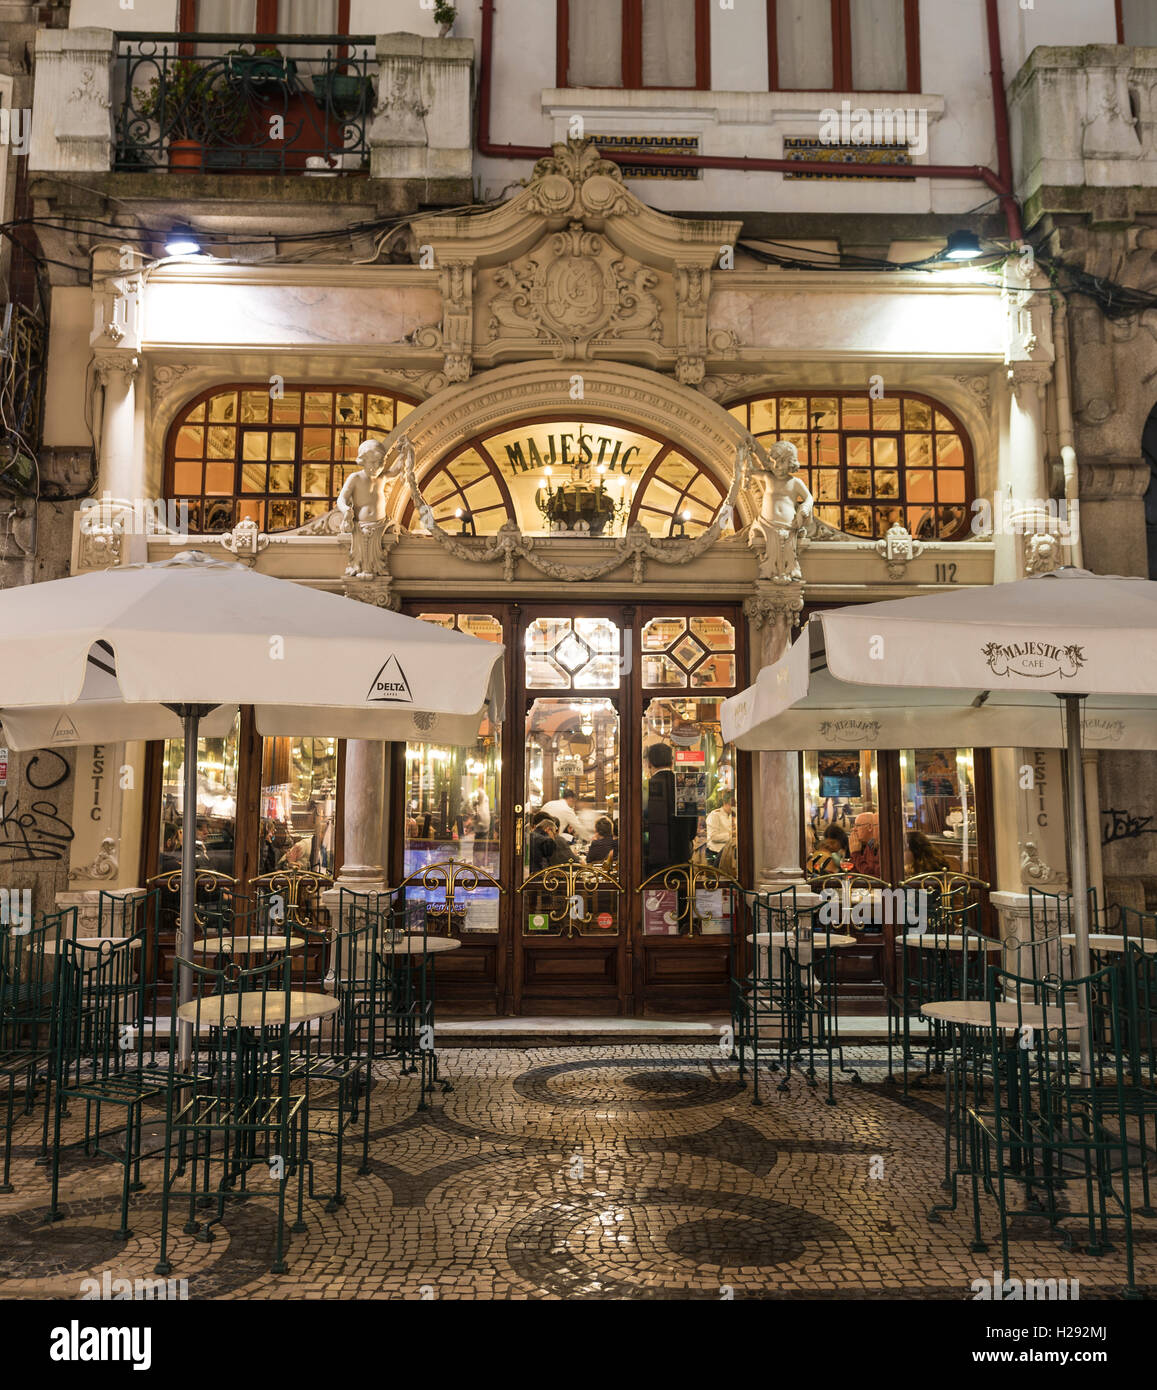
(362, 503)
(785, 511)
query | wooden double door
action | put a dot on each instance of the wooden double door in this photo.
(589, 690)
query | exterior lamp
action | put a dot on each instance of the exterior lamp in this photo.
(679, 524)
(962, 246)
(182, 241)
(466, 519)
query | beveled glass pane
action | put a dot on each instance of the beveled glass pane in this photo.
(944, 423)
(318, 408)
(826, 449)
(572, 653)
(952, 520)
(380, 412)
(186, 479)
(544, 673)
(828, 486)
(950, 485)
(254, 407)
(660, 633)
(949, 451)
(402, 409)
(688, 652)
(660, 671)
(197, 414)
(480, 625)
(918, 485)
(858, 521)
(600, 634)
(854, 410)
(859, 484)
(254, 445)
(858, 452)
(346, 444)
(599, 673)
(282, 445)
(218, 479)
(251, 509)
(253, 477)
(918, 450)
(309, 510)
(445, 620)
(717, 634)
(887, 484)
(315, 481)
(716, 673)
(764, 418)
(917, 415)
(190, 441)
(283, 515)
(317, 444)
(885, 452)
(222, 442)
(740, 413)
(792, 413)
(223, 407)
(349, 408)
(886, 413)
(287, 409)
(281, 478)
(831, 517)
(824, 413)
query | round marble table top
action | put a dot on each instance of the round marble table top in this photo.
(951, 943)
(1102, 941)
(977, 1013)
(257, 1008)
(245, 945)
(820, 942)
(419, 945)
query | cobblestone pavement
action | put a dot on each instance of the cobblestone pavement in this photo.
(626, 1172)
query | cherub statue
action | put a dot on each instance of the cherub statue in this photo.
(786, 509)
(362, 503)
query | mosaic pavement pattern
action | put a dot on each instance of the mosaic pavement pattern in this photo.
(626, 1172)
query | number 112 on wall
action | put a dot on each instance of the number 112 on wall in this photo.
(946, 573)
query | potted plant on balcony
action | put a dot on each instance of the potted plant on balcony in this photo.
(262, 69)
(192, 108)
(444, 17)
(346, 94)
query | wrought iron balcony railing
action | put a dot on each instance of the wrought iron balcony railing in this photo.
(269, 103)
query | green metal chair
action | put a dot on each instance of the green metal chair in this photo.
(758, 1008)
(28, 1010)
(1047, 1132)
(106, 1054)
(236, 1115)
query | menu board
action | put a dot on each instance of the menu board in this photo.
(481, 911)
(713, 915)
(660, 912)
(690, 782)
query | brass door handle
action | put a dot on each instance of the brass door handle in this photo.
(518, 832)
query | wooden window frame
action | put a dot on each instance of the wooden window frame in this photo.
(841, 18)
(631, 48)
(873, 502)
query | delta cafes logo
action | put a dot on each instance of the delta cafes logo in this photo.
(850, 732)
(390, 685)
(1036, 659)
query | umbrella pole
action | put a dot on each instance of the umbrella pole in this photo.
(1080, 861)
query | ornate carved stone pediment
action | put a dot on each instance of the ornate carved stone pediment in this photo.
(578, 266)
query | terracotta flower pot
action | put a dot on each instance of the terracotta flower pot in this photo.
(185, 154)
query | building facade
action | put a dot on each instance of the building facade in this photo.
(585, 271)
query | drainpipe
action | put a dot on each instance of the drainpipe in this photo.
(1000, 183)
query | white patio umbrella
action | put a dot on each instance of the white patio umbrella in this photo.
(984, 667)
(170, 649)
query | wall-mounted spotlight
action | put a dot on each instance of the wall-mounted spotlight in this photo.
(182, 241)
(466, 519)
(962, 246)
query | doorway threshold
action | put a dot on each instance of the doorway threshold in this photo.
(575, 1031)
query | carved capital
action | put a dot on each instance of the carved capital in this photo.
(109, 364)
(770, 604)
(1028, 379)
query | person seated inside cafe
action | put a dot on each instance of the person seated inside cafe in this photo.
(546, 846)
(605, 846)
(864, 844)
(832, 855)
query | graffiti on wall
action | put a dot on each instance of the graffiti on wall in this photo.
(33, 830)
(1123, 825)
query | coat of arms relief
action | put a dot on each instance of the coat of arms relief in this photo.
(575, 291)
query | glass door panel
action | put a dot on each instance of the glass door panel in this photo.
(571, 800)
(298, 804)
(840, 785)
(939, 805)
(216, 830)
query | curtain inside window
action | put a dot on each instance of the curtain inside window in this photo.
(226, 16)
(879, 55)
(595, 43)
(803, 32)
(1140, 22)
(307, 17)
(668, 43)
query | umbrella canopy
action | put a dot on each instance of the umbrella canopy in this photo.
(102, 657)
(974, 667)
(987, 666)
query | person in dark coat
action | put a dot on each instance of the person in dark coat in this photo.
(669, 836)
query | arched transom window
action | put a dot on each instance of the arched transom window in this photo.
(872, 463)
(278, 456)
(542, 474)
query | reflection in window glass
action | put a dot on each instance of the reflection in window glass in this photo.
(298, 804)
(688, 811)
(840, 790)
(702, 657)
(565, 653)
(940, 805)
(217, 763)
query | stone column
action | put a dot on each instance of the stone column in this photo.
(365, 829)
(72, 115)
(421, 127)
(772, 614)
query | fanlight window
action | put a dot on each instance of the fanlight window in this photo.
(241, 452)
(872, 463)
